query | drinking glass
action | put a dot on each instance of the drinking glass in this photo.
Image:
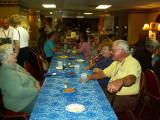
(83, 77)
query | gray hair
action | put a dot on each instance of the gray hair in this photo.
(15, 19)
(152, 43)
(122, 44)
(5, 51)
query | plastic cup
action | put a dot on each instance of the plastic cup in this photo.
(77, 68)
(83, 77)
(60, 63)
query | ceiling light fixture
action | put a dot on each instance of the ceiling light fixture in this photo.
(49, 5)
(103, 6)
(80, 16)
(87, 13)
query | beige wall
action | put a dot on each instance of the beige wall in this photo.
(122, 22)
(24, 18)
(136, 22)
(7, 11)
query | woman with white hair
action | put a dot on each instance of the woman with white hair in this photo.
(21, 41)
(19, 89)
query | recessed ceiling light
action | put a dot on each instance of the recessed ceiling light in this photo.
(49, 5)
(103, 6)
(87, 13)
(80, 16)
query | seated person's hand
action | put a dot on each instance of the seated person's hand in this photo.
(97, 70)
(87, 79)
(114, 86)
(38, 87)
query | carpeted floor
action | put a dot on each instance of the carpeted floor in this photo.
(150, 112)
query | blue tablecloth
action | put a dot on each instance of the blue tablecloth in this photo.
(51, 103)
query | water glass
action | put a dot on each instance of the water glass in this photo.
(60, 63)
(83, 77)
(77, 68)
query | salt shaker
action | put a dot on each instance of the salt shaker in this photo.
(66, 84)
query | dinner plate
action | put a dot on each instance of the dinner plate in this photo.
(58, 52)
(76, 108)
(49, 74)
(63, 56)
(72, 66)
(69, 74)
(59, 68)
(79, 60)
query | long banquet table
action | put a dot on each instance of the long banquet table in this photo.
(51, 103)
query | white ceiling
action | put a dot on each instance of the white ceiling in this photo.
(72, 8)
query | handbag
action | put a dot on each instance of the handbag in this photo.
(45, 64)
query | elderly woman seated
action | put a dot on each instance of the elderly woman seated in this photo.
(19, 88)
(102, 63)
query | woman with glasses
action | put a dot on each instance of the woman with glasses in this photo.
(103, 62)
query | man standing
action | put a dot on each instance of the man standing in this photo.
(125, 73)
(48, 29)
(21, 41)
(61, 29)
(6, 31)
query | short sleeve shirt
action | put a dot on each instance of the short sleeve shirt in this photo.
(129, 66)
(22, 35)
(48, 45)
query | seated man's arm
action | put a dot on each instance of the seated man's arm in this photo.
(116, 85)
(96, 76)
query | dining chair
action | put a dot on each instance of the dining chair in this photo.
(152, 87)
(6, 114)
(129, 114)
(36, 62)
(30, 69)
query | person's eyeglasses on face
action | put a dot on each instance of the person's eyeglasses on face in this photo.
(115, 50)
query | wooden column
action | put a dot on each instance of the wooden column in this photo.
(33, 26)
(101, 24)
(42, 18)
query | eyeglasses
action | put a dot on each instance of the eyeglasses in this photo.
(114, 50)
(106, 49)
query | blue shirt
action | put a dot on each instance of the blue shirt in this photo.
(103, 63)
(48, 45)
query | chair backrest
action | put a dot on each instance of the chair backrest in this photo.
(32, 71)
(152, 85)
(142, 81)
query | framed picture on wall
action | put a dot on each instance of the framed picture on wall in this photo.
(109, 25)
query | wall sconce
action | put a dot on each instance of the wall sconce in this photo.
(146, 27)
(158, 28)
(152, 28)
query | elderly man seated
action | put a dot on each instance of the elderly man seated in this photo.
(125, 73)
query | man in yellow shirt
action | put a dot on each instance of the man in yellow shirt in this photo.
(125, 73)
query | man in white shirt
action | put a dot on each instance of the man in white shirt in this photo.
(6, 31)
(48, 29)
(21, 41)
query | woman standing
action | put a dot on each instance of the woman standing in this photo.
(19, 89)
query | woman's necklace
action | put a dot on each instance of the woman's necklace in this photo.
(118, 68)
(5, 33)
